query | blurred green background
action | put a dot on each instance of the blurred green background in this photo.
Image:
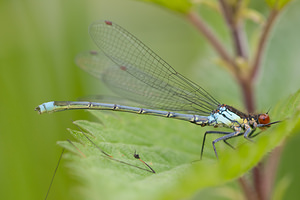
(39, 41)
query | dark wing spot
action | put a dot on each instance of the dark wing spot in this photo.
(108, 22)
(93, 52)
(123, 68)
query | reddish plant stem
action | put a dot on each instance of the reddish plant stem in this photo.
(262, 180)
(236, 28)
(201, 26)
(262, 44)
(248, 94)
(257, 174)
(248, 190)
(270, 172)
(239, 42)
(263, 176)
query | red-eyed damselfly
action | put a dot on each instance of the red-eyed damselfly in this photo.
(134, 72)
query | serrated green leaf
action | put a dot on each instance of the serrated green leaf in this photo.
(169, 146)
(182, 6)
(277, 4)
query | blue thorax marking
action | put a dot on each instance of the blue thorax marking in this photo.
(224, 116)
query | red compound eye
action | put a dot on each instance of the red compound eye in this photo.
(264, 119)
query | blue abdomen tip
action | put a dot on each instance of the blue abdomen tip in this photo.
(45, 107)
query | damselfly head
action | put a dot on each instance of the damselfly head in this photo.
(263, 118)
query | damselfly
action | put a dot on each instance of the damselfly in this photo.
(135, 72)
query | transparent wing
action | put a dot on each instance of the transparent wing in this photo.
(135, 72)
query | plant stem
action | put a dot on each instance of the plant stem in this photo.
(239, 42)
(262, 179)
(236, 28)
(270, 172)
(262, 43)
(201, 26)
(248, 94)
(257, 174)
(263, 175)
(248, 190)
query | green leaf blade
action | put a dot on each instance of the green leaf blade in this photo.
(277, 4)
(169, 147)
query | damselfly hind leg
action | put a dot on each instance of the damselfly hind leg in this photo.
(227, 136)
(225, 141)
